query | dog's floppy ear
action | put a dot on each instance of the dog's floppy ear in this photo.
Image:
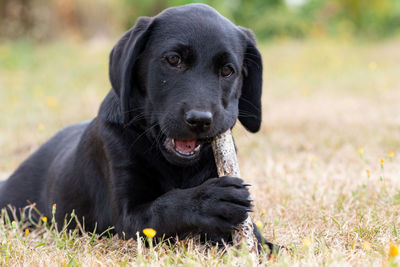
(250, 99)
(122, 61)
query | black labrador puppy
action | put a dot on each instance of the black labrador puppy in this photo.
(178, 79)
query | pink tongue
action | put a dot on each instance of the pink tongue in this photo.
(187, 145)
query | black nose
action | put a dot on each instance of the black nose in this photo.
(198, 121)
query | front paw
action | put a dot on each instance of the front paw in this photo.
(220, 204)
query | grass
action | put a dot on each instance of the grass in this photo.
(331, 113)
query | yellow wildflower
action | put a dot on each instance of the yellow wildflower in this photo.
(372, 65)
(366, 246)
(368, 172)
(149, 232)
(313, 159)
(44, 219)
(361, 151)
(26, 231)
(259, 224)
(306, 241)
(393, 250)
(53, 211)
(41, 127)
(263, 213)
(391, 154)
(52, 101)
(381, 161)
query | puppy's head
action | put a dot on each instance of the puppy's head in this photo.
(185, 76)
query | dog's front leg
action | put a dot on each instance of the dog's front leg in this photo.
(218, 206)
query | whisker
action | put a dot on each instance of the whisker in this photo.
(144, 132)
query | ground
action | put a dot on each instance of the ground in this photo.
(325, 167)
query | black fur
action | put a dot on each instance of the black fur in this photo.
(117, 170)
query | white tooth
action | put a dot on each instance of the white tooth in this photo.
(173, 142)
(186, 153)
(197, 148)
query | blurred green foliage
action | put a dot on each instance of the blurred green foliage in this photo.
(43, 19)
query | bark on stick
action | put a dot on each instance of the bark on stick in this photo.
(227, 165)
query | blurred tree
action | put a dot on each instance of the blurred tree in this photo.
(41, 19)
(136, 8)
(67, 14)
(15, 17)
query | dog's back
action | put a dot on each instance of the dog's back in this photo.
(29, 182)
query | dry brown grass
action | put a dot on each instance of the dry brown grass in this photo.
(323, 101)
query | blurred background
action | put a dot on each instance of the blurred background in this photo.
(41, 20)
(46, 19)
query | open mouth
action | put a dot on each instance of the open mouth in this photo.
(185, 148)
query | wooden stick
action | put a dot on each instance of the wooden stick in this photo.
(227, 165)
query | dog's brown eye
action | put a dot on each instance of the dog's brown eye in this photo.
(226, 71)
(174, 60)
